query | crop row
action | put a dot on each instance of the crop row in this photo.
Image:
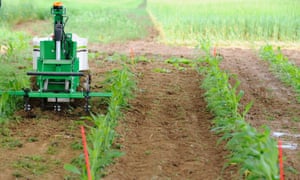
(284, 69)
(255, 152)
(101, 134)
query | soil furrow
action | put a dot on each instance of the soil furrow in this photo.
(167, 133)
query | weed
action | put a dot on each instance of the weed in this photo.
(117, 146)
(4, 130)
(139, 59)
(270, 118)
(11, 143)
(148, 152)
(35, 164)
(180, 63)
(161, 70)
(76, 145)
(292, 170)
(295, 119)
(32, 139)
(51, 150)
(17, 174)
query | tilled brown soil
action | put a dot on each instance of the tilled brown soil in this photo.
(38, 148)
(166, 132)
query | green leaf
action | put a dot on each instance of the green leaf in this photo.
(71, 168)
(247, 108)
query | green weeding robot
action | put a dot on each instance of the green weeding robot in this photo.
(58, 74)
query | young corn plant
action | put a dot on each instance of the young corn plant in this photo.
(102, 134)
(255, 152)
(285, 70)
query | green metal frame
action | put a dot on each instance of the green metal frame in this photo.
(75, 95)
(47, 63)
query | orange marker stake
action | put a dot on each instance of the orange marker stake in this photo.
(215, 52)
(132, 55)
(86, 154)
(280, 160)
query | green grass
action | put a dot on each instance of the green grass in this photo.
(185, 22)
(108, 25)
(15, 59)
(15, 11)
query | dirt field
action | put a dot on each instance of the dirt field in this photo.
(165, 133)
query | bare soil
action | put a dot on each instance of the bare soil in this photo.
(166, 132)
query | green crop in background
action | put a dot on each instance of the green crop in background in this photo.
(185, 22)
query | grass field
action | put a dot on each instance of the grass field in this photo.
(185, 22)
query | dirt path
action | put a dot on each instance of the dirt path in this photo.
(166, 133)
(293, 55)
(275, 104)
